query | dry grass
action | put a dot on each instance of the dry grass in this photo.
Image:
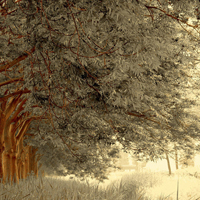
(135, 186)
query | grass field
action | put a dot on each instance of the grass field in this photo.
(126, 186)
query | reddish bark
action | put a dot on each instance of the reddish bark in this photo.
(16, 160)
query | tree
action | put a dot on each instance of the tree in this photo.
(101, 69)
(98, 165)
(111, 152)
(182, 130)
(15, 159)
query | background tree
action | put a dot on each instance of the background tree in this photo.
(182, 131)
(100, 68)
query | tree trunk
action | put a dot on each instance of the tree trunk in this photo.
(23, 170)
(19, 164)
(13, 147)
(14, 168)
(168, 163)
(27, 160)
(11, 162)
(176, 156)
(34, 161)
(6, 166)
(2, 144)
(1, 167)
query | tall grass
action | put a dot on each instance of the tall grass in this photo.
(131, 187)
